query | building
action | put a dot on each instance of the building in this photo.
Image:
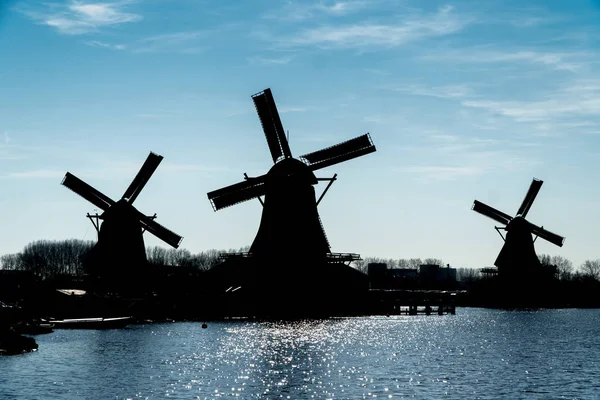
(432, 276)
(380, 277)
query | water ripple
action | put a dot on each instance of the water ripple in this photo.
(476, 354)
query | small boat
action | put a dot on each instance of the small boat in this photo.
(92, 323)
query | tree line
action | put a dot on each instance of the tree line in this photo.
(49, 259)
(562, 267)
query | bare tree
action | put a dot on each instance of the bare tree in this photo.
(11, 261)
(591, 268)
(564, 267)
(434, 261)
(359, 265)
(467, 274)
(545, 259)
(363, 265)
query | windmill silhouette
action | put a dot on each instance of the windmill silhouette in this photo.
(290, 223)
(518, 256)
(291, 239)
(120, 251)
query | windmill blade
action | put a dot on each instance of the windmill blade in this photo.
(87, 192)
(240, 192)
(359, 146)
(534, 188)
(549, 236)
(160, 231)
(142, 177)
(271, 124)
(491, 212)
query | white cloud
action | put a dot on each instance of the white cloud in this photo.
(570, 102)
(567, 61)
(82, 17)
(270, 61)
(193, 168)
(190, 42)
(575, 105)
(442, 92)
(446, 157)
(175, 37)
(37, 174)
(110, 170)
(318, 138)
(79, 17)
(6, 138)
(369, 34)
(343, 7)
(473, 162)
(441, 173)
(376, 119)
(283, 110)
(96, 43)
(299, 11)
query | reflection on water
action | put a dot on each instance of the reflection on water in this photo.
(483, 354)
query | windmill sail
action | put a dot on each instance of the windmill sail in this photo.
(534, 188)
(87, 192)
(142, 177)
(160, 231)
(269, 119)
(549, 236)
(344, 151)
(491, 212)
(237, 193)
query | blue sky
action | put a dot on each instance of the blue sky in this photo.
(464, 100)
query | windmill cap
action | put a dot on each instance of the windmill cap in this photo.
(291, 167)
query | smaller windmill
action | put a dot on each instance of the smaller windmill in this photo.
(518, 253)
(120, 248)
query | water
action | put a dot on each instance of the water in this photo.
(475, 354)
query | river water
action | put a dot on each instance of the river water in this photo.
(475, 354)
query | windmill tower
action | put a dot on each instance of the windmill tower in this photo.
(290, 240)
(517, 259)
(120, 253)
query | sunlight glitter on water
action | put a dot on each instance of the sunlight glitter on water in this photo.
(474, 354)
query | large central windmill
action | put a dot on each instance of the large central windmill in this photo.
(290, 232)
(290, 224)
(120, 248)
(517, 256)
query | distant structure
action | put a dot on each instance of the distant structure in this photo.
(432, 275)
(290, 251)
(427, 276)
(517, 259)
(117, 259)
(489, 272)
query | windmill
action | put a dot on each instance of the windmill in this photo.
(290, 223)
(120, 248)
(290, 231)
(518, 253)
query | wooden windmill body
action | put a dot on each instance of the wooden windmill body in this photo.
(518, 264)
(118, 259)
(290, 254)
